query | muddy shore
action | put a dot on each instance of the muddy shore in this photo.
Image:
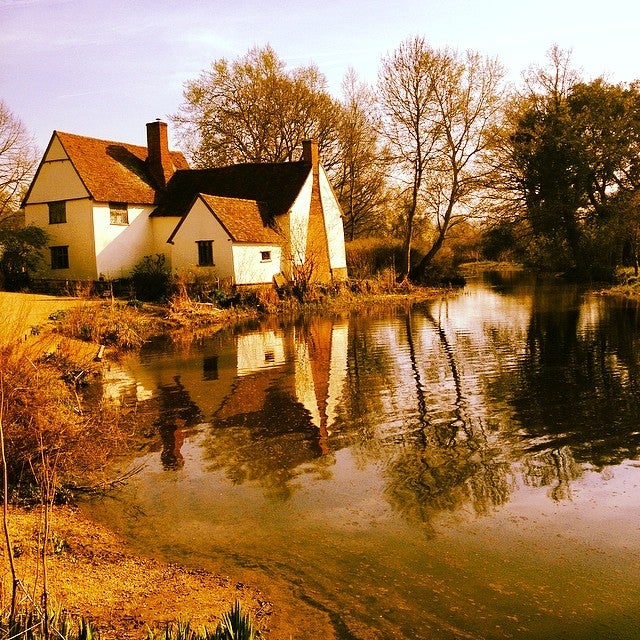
(94, 574)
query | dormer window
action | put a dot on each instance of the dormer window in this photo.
(57, 212)
(119, 213)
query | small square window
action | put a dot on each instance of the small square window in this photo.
(57, 212)
(59, 257)
(205, 253)
(265, 256)
(118, 213)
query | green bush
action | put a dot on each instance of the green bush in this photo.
(151, 278)
(20, 255)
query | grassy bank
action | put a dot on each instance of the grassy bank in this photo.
(56, 567)
(628, 285)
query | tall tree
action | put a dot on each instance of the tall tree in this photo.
(545, 158)
(571, 157)
(359, 177)
(18, 158)
(253, 109)
(405, 94)
(439, 109)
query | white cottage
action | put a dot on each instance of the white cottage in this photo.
(106, 205)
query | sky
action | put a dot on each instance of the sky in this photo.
(104, 68)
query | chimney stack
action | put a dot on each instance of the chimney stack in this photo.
(158, 157)
(310, 154)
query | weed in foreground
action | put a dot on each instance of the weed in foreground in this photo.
(234, 625)
(29, 624)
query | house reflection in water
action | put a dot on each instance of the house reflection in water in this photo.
(288, 382)
(250, 389)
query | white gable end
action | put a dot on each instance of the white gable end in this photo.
(57, 178)
(333, 223)
(299, 222)
(201, 225)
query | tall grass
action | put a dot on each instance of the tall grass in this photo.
(14, 321)
(109, 323)
(32, 624)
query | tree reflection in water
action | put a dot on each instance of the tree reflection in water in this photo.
(349, 457)
(457, 408)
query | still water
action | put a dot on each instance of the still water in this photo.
(463, 468)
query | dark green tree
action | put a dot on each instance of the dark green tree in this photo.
(20, 254)
(572, 164)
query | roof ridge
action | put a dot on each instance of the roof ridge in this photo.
(211, 195)
(107, 141)
(285, 163)
(102, 140)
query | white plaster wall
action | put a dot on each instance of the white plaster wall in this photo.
(76, 233)
(299, 222)
(333, 223)
(200, 224)
(161, 230)
(249, 267)
(120, 247)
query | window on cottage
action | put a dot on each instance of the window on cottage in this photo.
(119, 213)
(57, 212)
(205, 253)
(265, 256)
(59, 257)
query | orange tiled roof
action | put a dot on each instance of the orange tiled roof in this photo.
(244, 220)
(114, 171)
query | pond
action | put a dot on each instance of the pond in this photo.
(462, 468)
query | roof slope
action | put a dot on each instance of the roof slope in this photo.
(244, 220)
(114, 171)
(275, 186)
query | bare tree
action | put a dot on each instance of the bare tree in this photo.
(439, 109)
(360, 176)
(405, 94)
(18, 158)
(253, 109)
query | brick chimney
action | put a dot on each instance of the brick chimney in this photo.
(158, 157)
(310, 154)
